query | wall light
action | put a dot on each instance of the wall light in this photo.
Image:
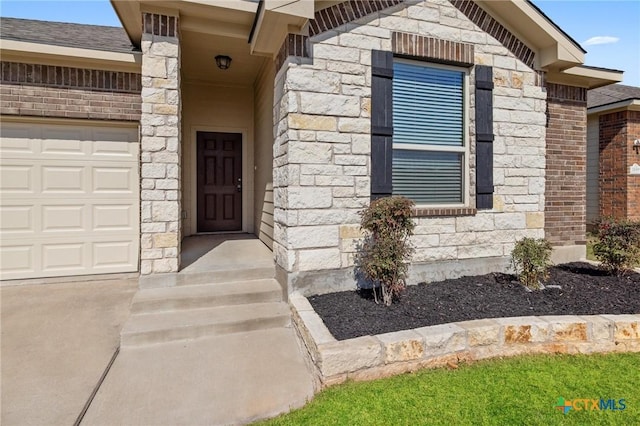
(223, 62)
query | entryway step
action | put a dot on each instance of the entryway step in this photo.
(142, 329)
(206, 296)
(186, 277)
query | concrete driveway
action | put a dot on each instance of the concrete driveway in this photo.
(57, 340)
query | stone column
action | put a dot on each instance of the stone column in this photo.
(160, 196)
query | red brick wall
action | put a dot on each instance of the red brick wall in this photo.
(55, 91)
(633, 181)
(566, 171)
(619, 190)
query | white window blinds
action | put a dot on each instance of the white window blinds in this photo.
(428, 133)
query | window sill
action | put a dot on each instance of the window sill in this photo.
(443, 211)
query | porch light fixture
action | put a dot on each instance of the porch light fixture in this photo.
(223, 62)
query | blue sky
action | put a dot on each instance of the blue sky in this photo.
(609, 30)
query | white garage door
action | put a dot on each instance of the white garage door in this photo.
(69, 200)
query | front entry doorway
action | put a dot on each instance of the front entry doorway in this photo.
(219, 181)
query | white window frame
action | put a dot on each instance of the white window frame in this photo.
(464, 149)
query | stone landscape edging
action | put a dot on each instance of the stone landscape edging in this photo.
(383, 355)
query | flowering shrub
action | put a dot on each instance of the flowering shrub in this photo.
(618, 246)
(384, 255)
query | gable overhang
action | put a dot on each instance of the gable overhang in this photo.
(626, 105)
(587, 77)
(228, 18)
(555, 49)
(47, 54)
(265, 25)
(274, 20)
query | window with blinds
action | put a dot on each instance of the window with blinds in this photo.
(429, 138)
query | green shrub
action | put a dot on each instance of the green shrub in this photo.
(383, 256)
(618, 245)
(531, 260)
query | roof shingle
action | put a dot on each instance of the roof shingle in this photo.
(97, 37)
(611, 94)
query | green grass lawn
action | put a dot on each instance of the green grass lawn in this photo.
(515, 391)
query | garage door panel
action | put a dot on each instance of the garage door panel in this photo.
(114, 180)
(114, 150)
(16, 219)
(17, 178)
(64, 147)
(17, 140)
(70, 200)
(60, 255)
(65, 218)
(63, 256)
(113, 254)
(114, 145)
(17, 260)
(63, 179)
(114, 217)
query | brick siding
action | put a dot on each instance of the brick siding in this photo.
(293, 45)
(160, 25)
(566, 171)
(619, 190)
(431, 48)
(487, 23)
(66, 92)
(343, 13)
(633, 181)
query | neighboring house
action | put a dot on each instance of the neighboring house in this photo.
(117, 144)
(613, 153)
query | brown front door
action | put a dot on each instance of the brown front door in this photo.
(219, 182)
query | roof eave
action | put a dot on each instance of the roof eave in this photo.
(128, 13)
(22, 51)
(210, 16)
(627, 104)
(555, 49)
(587, 77)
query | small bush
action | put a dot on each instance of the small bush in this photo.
(618, 245)
(531, 260)
(384, 255)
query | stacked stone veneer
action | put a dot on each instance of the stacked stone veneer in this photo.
(619, 189)
(322, 147)
(160, 198)
(372, 357)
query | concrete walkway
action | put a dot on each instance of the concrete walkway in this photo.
(57, 340)
(229, 379)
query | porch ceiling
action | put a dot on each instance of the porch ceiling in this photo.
(198, 59)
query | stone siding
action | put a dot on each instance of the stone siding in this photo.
(383, 355)
(160, 195)
(566, 185)
(66, 92)
(619, 190)
(322, 147)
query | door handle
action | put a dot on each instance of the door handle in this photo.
(239, 188)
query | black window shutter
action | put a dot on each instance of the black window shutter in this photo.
(381, 123)
(484, 137)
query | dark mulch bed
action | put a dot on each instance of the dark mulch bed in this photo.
(585, 290)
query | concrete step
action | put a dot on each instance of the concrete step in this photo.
(206, 296)
(257, 272)
(143, 329)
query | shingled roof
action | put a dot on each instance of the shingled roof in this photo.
(97, 37)
(611, 94)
